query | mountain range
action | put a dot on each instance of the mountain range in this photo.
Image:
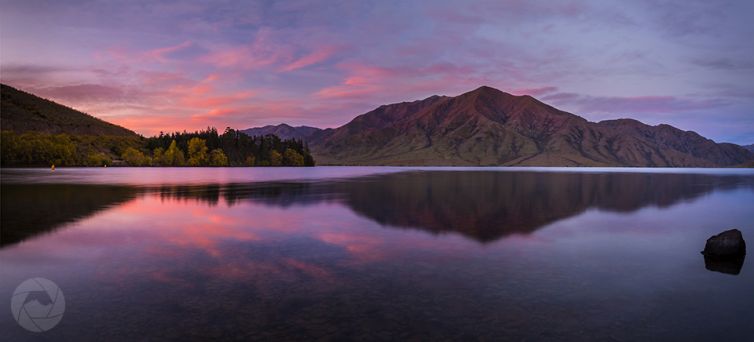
(283, 131)
(482, 127)
(489, 127)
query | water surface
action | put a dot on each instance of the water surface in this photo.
(380, 253)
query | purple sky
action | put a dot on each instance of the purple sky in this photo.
(155, 66)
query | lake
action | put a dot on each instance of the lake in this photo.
(373, 253)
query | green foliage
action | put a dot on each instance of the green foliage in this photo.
(134, 157)
(232, 148)
(173, 156)
(276, 159)
(218, 158)
(98, 159)
(236, 146)
(197, 152)
(158, 157)
(37, 149)
(44, 149)
(292, 158)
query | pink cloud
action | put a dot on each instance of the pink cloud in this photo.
(160, 101)
(221, 100)
(261, 52)
(399, 83)
(312, 58)
(160, 54)
(150, 124)
(156, 55)
(86, 93)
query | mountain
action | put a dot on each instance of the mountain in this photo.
(39, 132)
(24, 112)
(489, 127)
(749, 147)
(283, 131)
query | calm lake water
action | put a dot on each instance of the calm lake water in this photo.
(380, 253)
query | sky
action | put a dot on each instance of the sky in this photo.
(156, 66)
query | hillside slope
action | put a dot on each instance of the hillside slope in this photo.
(24, 112)
(39, 132)
(489, 127)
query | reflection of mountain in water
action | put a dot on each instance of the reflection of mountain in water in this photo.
(483, 205)
(488, 205)
(32, 209)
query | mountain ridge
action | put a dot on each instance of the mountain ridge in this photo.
(283, 131)
(26, 112)
(489, 127)
(482, 127)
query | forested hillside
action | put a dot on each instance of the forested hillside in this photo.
(39, 132)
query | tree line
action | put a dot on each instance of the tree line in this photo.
(45, 149)
(236, 148)
(199, 148)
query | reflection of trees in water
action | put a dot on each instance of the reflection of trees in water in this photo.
(483, 205)
(32, 209)
(276, 194)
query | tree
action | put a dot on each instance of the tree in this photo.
(249, 161)
(158, 157)
(292, 158)
(33, 148)
(236, 146)
(98, 159)
(134, 157)
(275, 158)
(197, 152)
(218, 158)
(174, 156)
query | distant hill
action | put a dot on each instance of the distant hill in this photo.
(283, 131)
(489, 127)
(749, 147)
(24, 112)
(39, 132)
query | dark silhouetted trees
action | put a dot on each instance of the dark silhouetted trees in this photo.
(218, 158)
(238, 149)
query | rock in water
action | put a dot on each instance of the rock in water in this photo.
(729, 243)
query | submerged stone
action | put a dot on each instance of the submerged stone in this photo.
(729, 265)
